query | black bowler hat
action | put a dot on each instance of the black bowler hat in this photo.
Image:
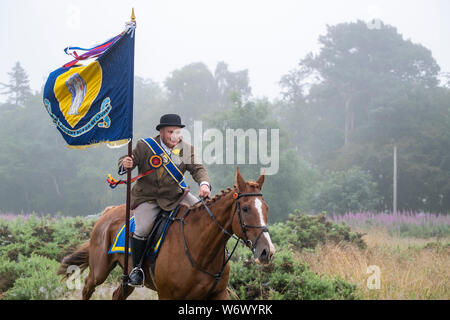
(169, 120)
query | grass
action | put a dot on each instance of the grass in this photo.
(105, 292)
(412, 264)
(410, 268)
(403, 224)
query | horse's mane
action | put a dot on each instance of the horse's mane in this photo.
(220, 195)
(214, 199)
(107, 209)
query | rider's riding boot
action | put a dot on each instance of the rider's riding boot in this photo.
(136, 277)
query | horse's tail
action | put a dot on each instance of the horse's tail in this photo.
(79, 257)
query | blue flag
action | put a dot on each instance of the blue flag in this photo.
(93, 103)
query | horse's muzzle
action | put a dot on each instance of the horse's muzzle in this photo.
(265, 255)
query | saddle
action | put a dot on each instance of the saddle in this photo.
(163, 221)
(155, 239)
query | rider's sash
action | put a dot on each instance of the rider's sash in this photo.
(168, 164)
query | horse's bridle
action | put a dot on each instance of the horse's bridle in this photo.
(242, 223)
(243, 226)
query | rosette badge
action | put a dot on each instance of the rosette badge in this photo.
(155, 161)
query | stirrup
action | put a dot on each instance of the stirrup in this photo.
(137, 269)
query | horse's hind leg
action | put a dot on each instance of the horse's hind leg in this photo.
(119, 293)
(89, 287)
(100, 266)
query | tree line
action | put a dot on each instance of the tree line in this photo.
(340, 113)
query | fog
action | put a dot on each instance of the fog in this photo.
(244, 68)
(266, 37)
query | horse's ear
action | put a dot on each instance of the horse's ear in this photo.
(260, 180)
(240, 182)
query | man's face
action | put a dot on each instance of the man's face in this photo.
(170, 136)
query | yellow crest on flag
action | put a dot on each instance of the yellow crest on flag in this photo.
(76, 90)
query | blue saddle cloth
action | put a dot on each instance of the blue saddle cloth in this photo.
(118, 245)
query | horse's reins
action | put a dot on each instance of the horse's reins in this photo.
(243, 226)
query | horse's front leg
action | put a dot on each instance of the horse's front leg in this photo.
(120, 294)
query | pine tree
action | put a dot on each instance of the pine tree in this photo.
(18, 89)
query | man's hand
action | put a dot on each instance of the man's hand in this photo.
(204, 191)
(127, 162)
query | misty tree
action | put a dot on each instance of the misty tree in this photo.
(192, 90)
(445, 79)
(352, 190)
(290, 188)
(231, 85)
(150, 102)
(364, 92)
(18, 89)
(411, 112)
(356, 66)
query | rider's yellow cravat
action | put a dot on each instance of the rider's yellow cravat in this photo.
(160, 172)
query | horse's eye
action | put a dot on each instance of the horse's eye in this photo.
(245, 209)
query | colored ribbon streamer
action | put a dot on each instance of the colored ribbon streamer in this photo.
(91, 52)
(114, 182)
(98, 49)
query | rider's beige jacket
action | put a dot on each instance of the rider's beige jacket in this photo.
(159, 186)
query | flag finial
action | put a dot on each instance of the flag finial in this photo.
(133, 17)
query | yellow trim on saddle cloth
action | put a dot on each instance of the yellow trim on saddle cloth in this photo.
(114, 248)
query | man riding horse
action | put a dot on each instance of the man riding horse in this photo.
(164, 187)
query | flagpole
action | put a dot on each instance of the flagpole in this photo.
(127, 208)
(127, 221)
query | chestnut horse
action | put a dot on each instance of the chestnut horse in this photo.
(192, 261)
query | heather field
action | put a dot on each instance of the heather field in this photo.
(410, 249)
(401, 224)
(408, 267)
(352, 256)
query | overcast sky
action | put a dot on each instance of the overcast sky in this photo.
(266, 37)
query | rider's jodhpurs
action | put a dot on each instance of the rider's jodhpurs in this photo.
(145, 215)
